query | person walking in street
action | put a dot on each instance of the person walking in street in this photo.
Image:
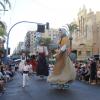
(25, 71)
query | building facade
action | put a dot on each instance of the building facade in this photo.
(86, 40)
(32, 39)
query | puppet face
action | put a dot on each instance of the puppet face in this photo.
(62, 32)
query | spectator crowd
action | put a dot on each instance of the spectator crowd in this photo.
(6, 75)
(88, 71)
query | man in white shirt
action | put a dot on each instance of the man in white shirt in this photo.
(25, 69)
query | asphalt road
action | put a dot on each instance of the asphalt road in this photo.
(38, 89)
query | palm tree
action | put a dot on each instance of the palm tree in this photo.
(3, 4)
(2, 29)
(46, 41)
(72, 27)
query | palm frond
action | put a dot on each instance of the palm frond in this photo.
(8, 2)
(2, 5)
(2, 29)
(2, 24)
(72, 27)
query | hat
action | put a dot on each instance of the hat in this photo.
(64, 30)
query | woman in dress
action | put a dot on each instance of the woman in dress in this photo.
(63, 71)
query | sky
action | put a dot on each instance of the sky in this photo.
(56, 12)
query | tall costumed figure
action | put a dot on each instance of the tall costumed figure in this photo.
(63, 70)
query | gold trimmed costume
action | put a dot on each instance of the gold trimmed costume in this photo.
(63, 70)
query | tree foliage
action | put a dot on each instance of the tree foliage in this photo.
(46, 40)
(2, 29)
(3, 4)
(72, 27)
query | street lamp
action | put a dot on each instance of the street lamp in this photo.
(70, 39)
(39, 25)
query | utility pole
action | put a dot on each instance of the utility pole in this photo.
(70, 39)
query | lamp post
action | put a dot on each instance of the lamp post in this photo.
(13, 27)
(70, 39)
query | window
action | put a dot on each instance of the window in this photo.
(79, 53)
(88, 53)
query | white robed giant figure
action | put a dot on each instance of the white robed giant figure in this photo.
(63, 71)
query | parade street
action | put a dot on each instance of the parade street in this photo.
(38, 89)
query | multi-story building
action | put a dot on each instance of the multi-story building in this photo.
(32, 42)
(86, 40)
(27, 41)
(32, 38)
(53, 34)
(20, 47)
